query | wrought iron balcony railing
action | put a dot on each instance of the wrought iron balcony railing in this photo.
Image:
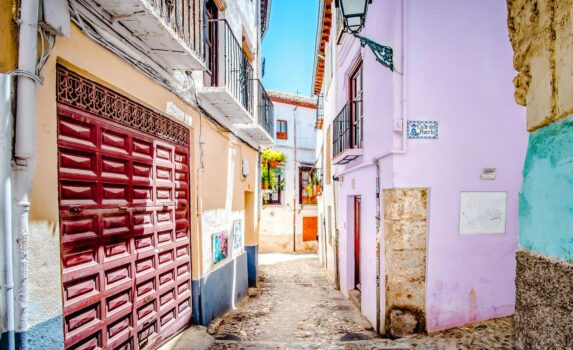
(184, 17)
(347, 129)
(266, 116)
(229, 65)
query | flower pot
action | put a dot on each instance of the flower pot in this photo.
(265, 186)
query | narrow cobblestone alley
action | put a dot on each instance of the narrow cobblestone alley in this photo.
(297, 308)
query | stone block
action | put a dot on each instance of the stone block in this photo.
(405, 203)
(402, 323)
(532, 31)
(407, 264)
(540, 92)
(405, 234)
(410, 294)
(544, 304)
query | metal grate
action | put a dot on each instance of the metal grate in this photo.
(76, 91)
(183, 16)
(266, 111)
(236, 70)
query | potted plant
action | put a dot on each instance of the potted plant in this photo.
(273, 158)
(317, 187)
(268, 178)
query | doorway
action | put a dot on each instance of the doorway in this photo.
(357, 205)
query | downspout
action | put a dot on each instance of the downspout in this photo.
(378, 246)
(7, 279)
(336, 236)
(400, 115)
(24, 155)
(294, 182)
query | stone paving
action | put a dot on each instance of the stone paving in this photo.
(297, 308)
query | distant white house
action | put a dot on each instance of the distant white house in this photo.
(289, 219)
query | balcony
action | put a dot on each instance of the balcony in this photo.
(229, 85)
(170, 30)
(264, 129)
(347, 134)
(319, 112)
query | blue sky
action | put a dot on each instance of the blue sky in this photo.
(288, 46)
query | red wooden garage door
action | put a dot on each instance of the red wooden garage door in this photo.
(124, 219)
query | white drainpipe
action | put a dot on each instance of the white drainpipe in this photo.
(24, 155)
(7, 277)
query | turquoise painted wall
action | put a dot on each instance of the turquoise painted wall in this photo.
(546, 199)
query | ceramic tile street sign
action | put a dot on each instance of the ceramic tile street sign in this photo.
(422, 129)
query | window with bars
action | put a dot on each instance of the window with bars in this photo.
(356, 110)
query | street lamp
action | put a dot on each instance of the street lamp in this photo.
(354, 15)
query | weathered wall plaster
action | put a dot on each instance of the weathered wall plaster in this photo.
(8, 36)
(405, 226)
(545, 205)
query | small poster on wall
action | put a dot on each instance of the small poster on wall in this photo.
(483, 213)
(220, 246)
(237, 236)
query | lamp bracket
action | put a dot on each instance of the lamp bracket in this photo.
(384, 54)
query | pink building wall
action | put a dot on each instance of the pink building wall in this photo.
(458, 71)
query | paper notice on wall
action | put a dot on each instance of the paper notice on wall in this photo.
(238, 236)
(483, 213)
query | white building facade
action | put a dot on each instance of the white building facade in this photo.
(289, 220)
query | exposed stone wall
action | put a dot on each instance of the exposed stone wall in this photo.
(405, 227)
(544, 306)
(541, 33)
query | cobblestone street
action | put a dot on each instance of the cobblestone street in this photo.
(298, 309)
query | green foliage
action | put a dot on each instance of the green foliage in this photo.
(270, 155)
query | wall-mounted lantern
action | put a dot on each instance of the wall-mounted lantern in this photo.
(354, 15)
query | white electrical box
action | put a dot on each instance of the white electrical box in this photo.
(245, 167)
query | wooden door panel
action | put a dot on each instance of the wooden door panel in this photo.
(125, 245)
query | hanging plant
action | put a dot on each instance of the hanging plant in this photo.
(273, 157)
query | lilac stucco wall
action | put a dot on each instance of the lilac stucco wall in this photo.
(458, 71)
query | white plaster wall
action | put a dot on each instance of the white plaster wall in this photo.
(328, 201)
(44, 293)
(243, 16)
(214, 221)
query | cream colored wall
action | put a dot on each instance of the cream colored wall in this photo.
(86, 57)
